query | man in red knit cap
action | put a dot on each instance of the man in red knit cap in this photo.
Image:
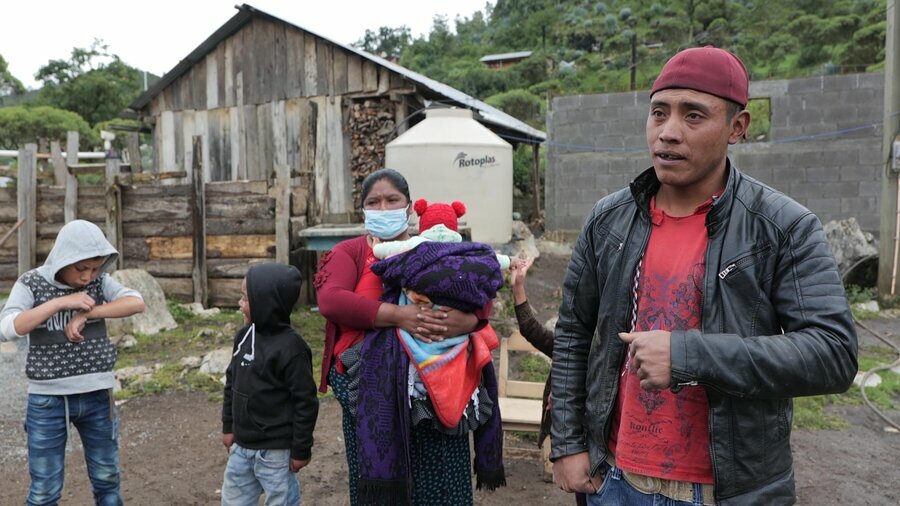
(698, 302)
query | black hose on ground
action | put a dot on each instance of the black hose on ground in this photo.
(870, 372)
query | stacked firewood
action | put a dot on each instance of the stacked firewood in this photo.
(371, 127)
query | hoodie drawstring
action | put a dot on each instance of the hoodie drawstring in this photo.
(252, 333)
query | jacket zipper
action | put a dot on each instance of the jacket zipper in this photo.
(709, 411)
(744, 261)
(727, 271)
(603, 432)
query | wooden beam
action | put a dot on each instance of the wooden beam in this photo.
(9, 232)
(145, 177)
(177, 288)
(295, 65)
(536, 180)
(134, 152)
(282, 213)
(232, 267)
(225, 292)
(198, 218)
(384, 80)
(217, 246)
(212, 81)
(71, 203)
(354, 73)
(369, 76)
(339, 62)
(229, 188)
(59, 164)
(114, 207)
(26, 198)
(311, 77)
(80, 169)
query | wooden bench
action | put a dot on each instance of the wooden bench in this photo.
(521, 402)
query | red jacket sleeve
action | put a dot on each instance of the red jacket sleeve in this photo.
(335, 282)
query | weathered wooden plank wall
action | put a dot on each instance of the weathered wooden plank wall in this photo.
(157, 231)
(240, 228)
(49, 218)
(271, 94)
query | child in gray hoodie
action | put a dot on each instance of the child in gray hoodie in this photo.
(61, 307)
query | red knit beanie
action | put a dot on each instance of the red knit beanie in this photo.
(438, 213)
(707, 69)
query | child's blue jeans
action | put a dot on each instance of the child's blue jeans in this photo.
(249, 473)
(95, 418)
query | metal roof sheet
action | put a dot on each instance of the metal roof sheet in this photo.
(506, 56)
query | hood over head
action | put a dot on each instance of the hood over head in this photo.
(272, 291)
(78, 240)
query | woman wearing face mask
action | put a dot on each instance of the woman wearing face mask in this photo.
(348, 294)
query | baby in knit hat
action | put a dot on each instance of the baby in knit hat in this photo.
(437, 222)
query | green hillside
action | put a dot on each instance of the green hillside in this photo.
(586, 46)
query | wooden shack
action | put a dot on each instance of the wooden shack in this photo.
(263, 93)
(286, 123)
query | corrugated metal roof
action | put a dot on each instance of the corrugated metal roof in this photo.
(505, 56)
(246, 13)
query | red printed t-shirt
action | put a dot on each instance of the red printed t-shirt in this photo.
(659, 433)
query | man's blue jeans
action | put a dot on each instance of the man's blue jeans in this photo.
(249, 473)
(97, 423)
(615, 491)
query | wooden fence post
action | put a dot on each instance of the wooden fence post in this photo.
(536, 179)
(114, 206)
(59, 164)
(70, 207)
(198, 220)
(26, 197)
(134, 152)
(282, 213)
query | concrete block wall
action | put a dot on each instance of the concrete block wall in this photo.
(824, 148)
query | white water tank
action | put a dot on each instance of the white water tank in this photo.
(450, 156)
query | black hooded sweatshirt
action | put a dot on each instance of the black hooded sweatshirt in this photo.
(270, 395)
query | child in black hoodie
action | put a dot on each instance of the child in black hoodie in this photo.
(270, 406)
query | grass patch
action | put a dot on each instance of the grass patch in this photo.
(197, 336)
(171, 377)
(810, 412)
(525, 437)
(862, 314)
(179, 312)
(887, 394)
(311, 325)
(534, 368)
(856, 294)
(194, 336)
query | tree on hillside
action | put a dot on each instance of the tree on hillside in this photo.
(386, 42)
(93, 82)
(20, 125)
(9, 85)
(584, 46)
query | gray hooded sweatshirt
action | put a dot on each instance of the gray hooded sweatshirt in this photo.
(54, 365)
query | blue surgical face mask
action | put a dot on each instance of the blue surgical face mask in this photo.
(387, 224)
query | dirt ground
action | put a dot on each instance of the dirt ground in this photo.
(172, 455)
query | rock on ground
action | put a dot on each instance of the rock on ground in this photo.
(215, 362)
(156, 315)
(521, 244)
(849, 243)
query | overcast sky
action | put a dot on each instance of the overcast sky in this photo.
(156, 35)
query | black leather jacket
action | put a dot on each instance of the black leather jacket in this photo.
(775, 325)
